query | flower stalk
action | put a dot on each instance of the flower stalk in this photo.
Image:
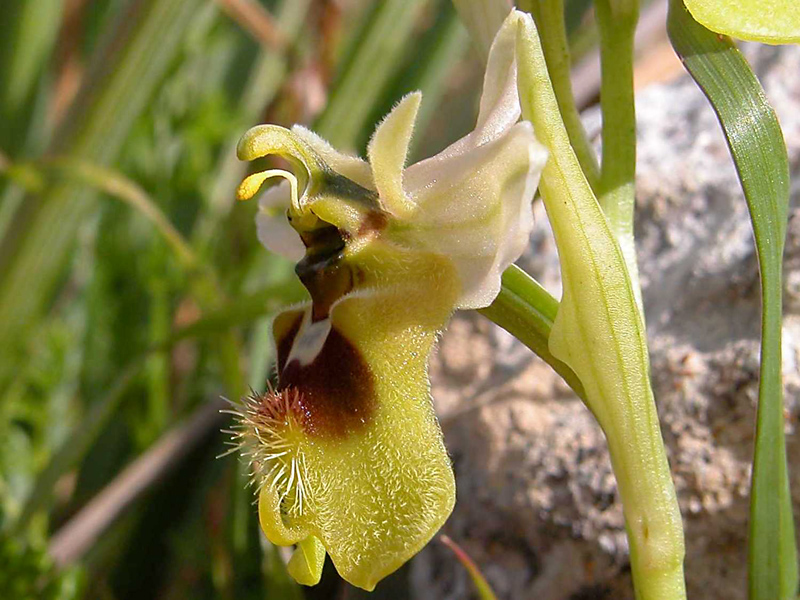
(616, 190)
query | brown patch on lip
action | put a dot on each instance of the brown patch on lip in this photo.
(336, 391)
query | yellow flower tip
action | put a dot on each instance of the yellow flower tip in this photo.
(306, 563)
(250, 186)
(263, 140)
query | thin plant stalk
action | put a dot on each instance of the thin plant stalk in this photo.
(616, 20)
(549, 17)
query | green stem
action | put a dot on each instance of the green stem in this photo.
(616, 20)
(598, 331)
(549, 16)
(526, 310)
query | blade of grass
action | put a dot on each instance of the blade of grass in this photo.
(372, 61)
(756, 144)
(118, 186)
(136, 54)
(482, 586)
(28, 31)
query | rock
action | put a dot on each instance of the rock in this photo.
(537, 507)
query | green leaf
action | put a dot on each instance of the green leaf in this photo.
(137, 53)
(756, 143)
(599, 332)
(770, 21)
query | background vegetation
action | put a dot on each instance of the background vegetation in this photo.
(134, 294)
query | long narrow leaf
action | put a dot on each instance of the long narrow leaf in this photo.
(28, 31)
(756, 143)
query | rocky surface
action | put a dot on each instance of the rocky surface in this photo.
(537, 507)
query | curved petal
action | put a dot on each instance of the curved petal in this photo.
(387, 153)
(477, 212)
(472, 200)
(499, 106)
(272, 226)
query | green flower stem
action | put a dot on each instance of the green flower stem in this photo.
(598, 331)
(616, 20)
(482, 587)
(526, 310)
(549, 16)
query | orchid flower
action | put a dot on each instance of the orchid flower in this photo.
(346, 450)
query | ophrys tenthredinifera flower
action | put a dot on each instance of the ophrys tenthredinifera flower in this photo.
(346, 450)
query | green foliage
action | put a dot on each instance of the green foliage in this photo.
(131, 294)
(28, 573)
(756, 143)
